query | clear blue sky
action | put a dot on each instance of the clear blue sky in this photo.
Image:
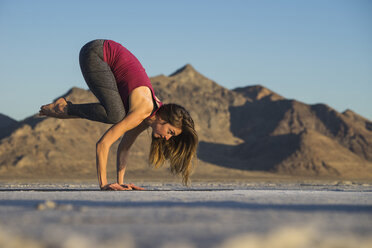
(315, 51)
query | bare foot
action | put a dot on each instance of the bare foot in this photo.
(58, 109)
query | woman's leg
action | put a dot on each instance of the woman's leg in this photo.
(102, 83)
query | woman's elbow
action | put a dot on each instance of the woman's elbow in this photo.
(101, 145)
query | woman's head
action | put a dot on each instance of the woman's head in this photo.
(174, 138)
(164, 130)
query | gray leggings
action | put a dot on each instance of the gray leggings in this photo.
(102, 83)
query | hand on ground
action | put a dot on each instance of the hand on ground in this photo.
(115, 187)
(132, 186)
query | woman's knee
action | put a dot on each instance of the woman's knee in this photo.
(114, 118)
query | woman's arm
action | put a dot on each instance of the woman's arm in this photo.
(132, 120)
(124, 147)
(140, 102)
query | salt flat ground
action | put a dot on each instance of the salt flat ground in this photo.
(205, 215)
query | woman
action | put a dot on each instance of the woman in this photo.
(127, 100)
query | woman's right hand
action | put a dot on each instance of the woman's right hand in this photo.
(115, 187)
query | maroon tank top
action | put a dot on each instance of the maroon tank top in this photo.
(128, 71)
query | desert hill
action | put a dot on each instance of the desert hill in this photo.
(258, 93)
(207, 102)
(242, 130)
(6, 124)
(6, 121)
(287, 135)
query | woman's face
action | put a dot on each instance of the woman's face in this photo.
(163, 130)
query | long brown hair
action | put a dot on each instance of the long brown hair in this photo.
(178, 150)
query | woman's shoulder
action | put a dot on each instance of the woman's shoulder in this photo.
(140, 98)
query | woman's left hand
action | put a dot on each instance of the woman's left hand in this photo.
(114, 186)
(131, 186)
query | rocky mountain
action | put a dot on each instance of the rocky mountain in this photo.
(296, 138)
(242, 130)
(6, 121)
(6, 125)
(258, 93)
(207, 102)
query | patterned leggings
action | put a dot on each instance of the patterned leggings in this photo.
(102, 83)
